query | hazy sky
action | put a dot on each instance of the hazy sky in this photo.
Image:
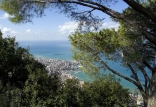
(53, 26)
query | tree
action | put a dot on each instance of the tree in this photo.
(14, 61)
(69, 94)
(103, 91)
(40, 88)
(93, 50)
(36, 88)
(23, 80)
(24, 11)
(126, 46)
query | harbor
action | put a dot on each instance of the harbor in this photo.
(62, 67)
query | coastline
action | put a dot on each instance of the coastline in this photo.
(70, 69)
(62, 67)
(62, 51)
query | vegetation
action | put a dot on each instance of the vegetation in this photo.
(103, 92)
(126, 46)
(133, 45)
(25, 83)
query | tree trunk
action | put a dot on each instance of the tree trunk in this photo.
(152, 101)
(145, 101)
(152, 96)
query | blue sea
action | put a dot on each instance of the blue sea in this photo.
(62, 50)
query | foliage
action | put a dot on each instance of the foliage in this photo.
(87, 46)
(14, 61)
(104, 91)
(69, 94)
(133, 45)
(24, 11)
(23, 80)
(127, 46)
(40, 89)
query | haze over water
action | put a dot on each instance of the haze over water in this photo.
(62, 50)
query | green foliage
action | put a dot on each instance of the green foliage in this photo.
(24, 11)
(87, 46)
(14, 61)
(127, 46)
(40, 89)
(133, 44)
(20, 12)
(23, 80)
(105, 91)
(69, 94)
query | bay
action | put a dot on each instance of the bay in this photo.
(62, 50)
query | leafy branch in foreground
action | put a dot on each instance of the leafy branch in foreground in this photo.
(125, 46)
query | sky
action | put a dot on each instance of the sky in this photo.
(52, 26)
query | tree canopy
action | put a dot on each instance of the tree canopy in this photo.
(133, 45)
(23, 80)
(23, 11)
(104, 91)
(126, 46)
(14, 61)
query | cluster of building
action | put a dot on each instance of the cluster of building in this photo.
(136, 100)
(62, 67)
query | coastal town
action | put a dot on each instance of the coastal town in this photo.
(63, 67)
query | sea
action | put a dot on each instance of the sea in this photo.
(62, 50)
